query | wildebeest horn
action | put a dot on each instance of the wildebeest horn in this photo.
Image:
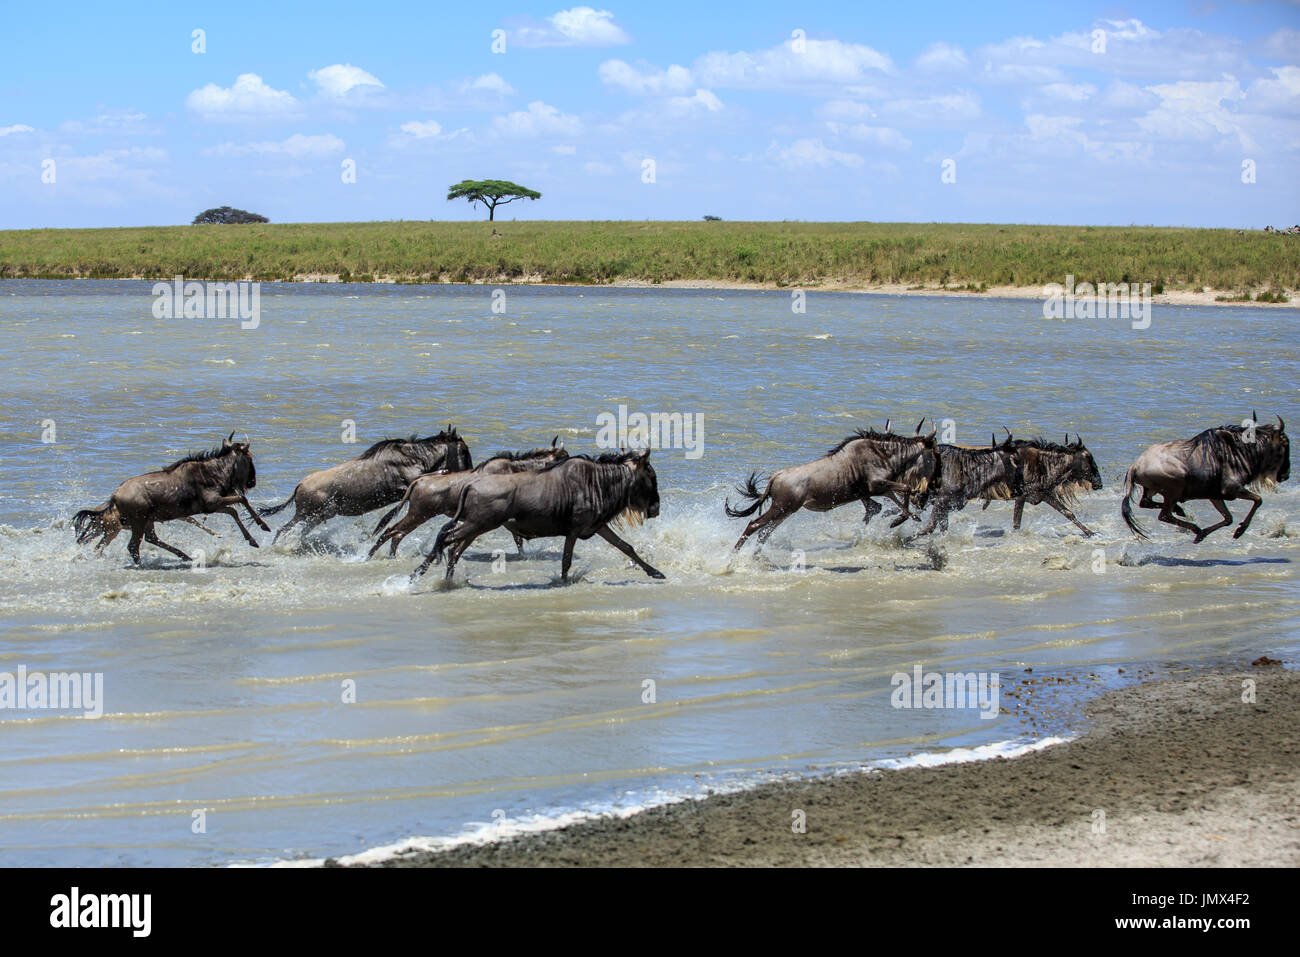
(993, 440)
(556, 439)
(887, 421)
(226, 443)
(1253, 416)
(1281, 426)
(918, 426)
(1007, 431)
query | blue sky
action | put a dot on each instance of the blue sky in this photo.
(1051, 113)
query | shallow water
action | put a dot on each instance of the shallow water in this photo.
(508, 696)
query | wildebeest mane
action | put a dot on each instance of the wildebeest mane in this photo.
(395, 445)
(208, 456)
(878, 436)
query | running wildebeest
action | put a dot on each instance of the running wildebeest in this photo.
(968, 472)
(377, 477)
(866, 463)
(437, 493)
(576, 498)
(1054, 474)
(1222, 464)
(204, 483)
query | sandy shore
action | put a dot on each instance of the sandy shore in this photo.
(1179, 772)
(1179, 297)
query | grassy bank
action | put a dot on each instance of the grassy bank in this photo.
(852, 254)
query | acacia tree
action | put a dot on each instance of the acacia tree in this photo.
(491, 193)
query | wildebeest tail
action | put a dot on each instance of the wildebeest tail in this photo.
(1126, 506)
(389, 516)
(440, 543)
(89, 522)
(749, 489)
(278, 508)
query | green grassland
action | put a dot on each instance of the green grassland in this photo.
(789, 254)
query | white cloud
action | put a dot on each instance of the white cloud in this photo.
(616, 73)
(812, 152)
(340, 78)
(884, 137)
(1077, 92)
(1283, 43)
(296, 145)
(564, 149)
(486, 83)
(575, 27)
(110, 121)
(17, 128)
(822, 63)
(941, 58)
(247, 97)
(539, 119)
(422, 129)
(1193, 111)
(598, 169)
(940, 108)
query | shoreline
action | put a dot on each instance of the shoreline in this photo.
(1178, 297)
(1169, 772)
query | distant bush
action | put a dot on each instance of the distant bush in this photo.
(713, 219)
(227, 215)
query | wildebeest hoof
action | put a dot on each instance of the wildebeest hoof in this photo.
(658, 574)
(1238, 533)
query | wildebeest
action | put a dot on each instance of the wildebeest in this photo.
(576, 498)
(377, 477)
(200, 484)
(968, 472)
(866, 463)
(1054, 474)
(437, 493)
(1222, 464)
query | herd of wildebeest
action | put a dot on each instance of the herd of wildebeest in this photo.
(546, 492)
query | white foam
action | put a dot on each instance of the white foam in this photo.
(477, 834)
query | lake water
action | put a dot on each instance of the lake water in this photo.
(509, 699)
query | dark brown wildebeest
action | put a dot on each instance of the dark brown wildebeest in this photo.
(1055, 474)
(1223, 464)
(576, 499)
(438, 493)
(966, 473)
(375, 478)
(866, 463)
(201, 484)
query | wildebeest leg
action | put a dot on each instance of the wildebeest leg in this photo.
(873, 509)
(1166, 515)
(1245, 522)
(109, 535)
(457, 550)
(152, 538)
(1227, 520)
(519, 542)
(767, 523)
(567, 560)
(937, 514)
(1017, 513)
(133, 546)
(243, 499)
(902, 503)
(608, 535)
(308, 524)
(235, 515)
(1057, 504)
(396, 532)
